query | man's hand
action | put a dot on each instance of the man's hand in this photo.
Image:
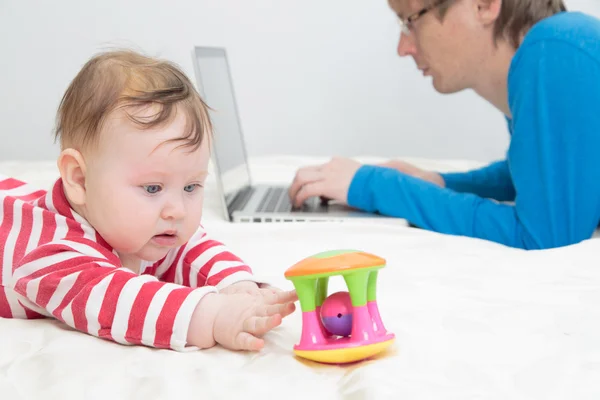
(330, 181)
(412, 170)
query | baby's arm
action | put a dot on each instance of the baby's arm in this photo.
(204, 261)
(241, 313)
(84, 285)
(238, 321)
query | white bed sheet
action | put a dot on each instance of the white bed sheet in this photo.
(473, 320)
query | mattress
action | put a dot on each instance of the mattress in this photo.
(472, 320)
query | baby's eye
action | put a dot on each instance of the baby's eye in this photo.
(191, 188)
(152, 189)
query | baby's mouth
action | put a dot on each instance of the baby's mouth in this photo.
(166, 235)
(165, 239)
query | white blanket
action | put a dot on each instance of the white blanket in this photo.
(473, 320)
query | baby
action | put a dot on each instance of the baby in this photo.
(116, 248)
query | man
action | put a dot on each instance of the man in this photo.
(540, 66)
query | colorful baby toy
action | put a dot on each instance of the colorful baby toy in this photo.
(343, 327)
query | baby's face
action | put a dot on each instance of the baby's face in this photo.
(144, 196)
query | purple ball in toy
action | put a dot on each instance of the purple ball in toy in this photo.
(336, 314)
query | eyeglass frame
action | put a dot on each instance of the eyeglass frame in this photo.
(406, 24)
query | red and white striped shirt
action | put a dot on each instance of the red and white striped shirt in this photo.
(54, 264)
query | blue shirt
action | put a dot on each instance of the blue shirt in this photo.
(546, 193)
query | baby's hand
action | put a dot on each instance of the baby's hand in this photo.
(267, 292)
(242, 319)
(239, 315)
(248, 287)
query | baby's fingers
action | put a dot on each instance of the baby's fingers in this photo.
(279, 297)
(287, 309)
(246, 341)
(282, 309)
(266, 286)
(258, 326)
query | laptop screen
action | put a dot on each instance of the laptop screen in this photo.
(216, 88)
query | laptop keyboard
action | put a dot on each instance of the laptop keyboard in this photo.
(275, 200)
(241, 198)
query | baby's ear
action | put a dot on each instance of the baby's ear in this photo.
(72, 171)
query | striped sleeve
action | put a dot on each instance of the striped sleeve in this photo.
(203, 262)
(82, 284)
(20, 231)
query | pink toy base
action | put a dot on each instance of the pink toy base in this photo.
(367, 329)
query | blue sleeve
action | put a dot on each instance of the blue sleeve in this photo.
(553, 93)
(493, 181)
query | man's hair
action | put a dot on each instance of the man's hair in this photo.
(124, 79)
(516, 16)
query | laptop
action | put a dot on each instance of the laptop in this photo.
(242, 199)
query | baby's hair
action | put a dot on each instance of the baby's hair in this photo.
(127, 80)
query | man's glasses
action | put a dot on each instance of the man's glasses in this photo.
(406, 24)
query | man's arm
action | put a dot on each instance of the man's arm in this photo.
(426, 205)
(553, 157)
(493, 181)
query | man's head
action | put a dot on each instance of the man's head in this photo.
(452, 40)
(134, 138)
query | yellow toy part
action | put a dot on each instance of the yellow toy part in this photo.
(344, 355)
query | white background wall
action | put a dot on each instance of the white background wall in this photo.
(316, 77)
